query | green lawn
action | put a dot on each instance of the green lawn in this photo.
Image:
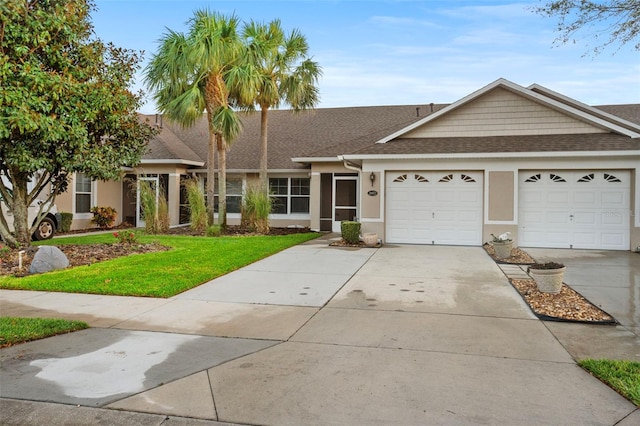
(191, 261)
(19, 330)
(622, 376)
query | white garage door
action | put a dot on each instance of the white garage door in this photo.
(434, 207)
(568, 209)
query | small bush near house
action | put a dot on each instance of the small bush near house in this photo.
(197, 207)
(213, 231)
(104, 217)
(350, 231)
(163, 215)
(66, 219)
(5, 252)
(256, 207)
(126, 237)
(155, 211)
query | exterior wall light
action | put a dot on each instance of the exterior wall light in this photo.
(372, 178)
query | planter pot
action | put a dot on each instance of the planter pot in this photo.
(503, 249)
(370, 240)
(548, 280)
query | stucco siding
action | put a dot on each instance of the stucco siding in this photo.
(501, 196)
(502, 113)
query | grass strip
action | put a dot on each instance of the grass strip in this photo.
(622, 376)
(14, 330)
(191, 262)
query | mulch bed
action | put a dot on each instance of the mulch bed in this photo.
(566, 306)
(78, 255)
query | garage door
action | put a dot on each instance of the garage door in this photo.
(568, 209)
(434, 207)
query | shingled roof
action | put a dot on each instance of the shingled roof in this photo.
(329, 132)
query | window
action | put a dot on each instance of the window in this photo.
(234, 195)
(290, 195)
(83, 193)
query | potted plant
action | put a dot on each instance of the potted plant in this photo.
(502, 244)
(548, 276)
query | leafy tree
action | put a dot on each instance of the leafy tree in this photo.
(618, 21)
(286, 75)
(204, 71)
(65, 106)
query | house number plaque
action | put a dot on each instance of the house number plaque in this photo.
(372, 193)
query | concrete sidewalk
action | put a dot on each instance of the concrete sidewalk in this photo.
(312, 335)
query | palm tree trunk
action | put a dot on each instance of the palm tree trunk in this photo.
(211, 176)
(264, 159)
(222, 182)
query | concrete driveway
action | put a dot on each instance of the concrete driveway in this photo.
(610, 280)
(398, 335)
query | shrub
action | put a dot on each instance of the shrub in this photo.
(213, 231)
(5, 252)
(104, 217)
(155, 211)
(126, 237)
(66, 219)
(197, 207)
(350, 231)
(256, 207)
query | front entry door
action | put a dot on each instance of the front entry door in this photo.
(345, 206)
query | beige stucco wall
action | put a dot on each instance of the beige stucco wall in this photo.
(370, 207)
(501, 195)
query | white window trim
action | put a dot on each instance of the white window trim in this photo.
(94, 197)
(289, 215)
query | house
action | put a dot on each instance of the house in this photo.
(551, 170)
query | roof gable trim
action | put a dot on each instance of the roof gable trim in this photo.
(569, 106)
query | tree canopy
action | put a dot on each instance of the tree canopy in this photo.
(204, 70)
(65, 105)
(608, 22)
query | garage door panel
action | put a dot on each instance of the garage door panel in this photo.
(613, 218)
(614, 199)
(574, 209)
(445, 197)
(586, 218)
(556, 217)
(588, 198)
(558, 198)
(444, 208)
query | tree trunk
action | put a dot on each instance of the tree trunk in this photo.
(222, 182)
(264, 157)
(20, 210)
(211, 169)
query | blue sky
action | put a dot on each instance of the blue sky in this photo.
(392, 52)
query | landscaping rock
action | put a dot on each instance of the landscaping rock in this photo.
(47, 259)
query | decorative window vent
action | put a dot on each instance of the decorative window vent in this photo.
(447, 178)
(611, 178)
(587, 178)
(421, 178)
(400, 178)
(534, 178)
(467, 178)
(556, 178)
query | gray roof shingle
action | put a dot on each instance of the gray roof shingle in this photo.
(329, 132)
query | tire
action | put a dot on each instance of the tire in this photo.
(45, 230)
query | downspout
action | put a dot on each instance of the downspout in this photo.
(350, 166)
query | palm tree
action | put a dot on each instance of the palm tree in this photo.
(192, 74)
(286, 75)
